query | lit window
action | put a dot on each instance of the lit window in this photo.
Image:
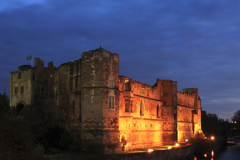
(16, 89)
(111, 102)
(110, 83)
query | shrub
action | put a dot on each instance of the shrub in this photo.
(39, 149)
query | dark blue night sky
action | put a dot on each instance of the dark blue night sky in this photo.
(195, 43)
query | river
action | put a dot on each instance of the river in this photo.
(230, 153)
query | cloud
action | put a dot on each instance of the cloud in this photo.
(192, 42)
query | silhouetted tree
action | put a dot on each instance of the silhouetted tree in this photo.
(236, 126)
(210, 124)
(236, 116)
(4, 105)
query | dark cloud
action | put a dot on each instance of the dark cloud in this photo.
(195, 43)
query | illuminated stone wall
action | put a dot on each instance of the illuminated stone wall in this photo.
(76, 96)
(189, 113)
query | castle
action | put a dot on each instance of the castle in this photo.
(91, 100)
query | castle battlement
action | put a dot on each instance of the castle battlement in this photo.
(90, 99)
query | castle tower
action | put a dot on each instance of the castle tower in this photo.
(169, 100)
(100, 98)
(21, 94)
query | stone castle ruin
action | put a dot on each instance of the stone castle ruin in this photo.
(95, 104)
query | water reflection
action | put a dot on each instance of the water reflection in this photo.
(232, 153)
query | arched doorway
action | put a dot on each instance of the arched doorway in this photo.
(19, 107)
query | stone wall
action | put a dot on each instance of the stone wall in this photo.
(95, 104)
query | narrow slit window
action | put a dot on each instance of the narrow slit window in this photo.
(141, 108)
(158, 110)
(127, 105)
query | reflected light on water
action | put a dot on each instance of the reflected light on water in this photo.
(212, 153)
(195, 158)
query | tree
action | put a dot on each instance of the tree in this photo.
(210, 124)
(4, 105)
(236, 116)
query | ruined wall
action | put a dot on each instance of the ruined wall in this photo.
(143, 128)
(96, 105)
(189, 113)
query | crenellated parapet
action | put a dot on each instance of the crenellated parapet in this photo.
(185, 99)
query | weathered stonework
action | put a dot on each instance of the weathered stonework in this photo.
(103, 109)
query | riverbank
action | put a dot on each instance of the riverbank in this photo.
(184, 152)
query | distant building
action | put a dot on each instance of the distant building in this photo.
(91, 100)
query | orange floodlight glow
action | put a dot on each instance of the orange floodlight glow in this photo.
(169, 147)
(186, 140)
(212, 137)
(176, 144)
(150, 150)
(205, 155)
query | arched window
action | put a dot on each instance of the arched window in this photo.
(141, 107)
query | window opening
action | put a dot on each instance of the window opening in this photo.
(141, 107)
(111, 102)
(33, 77)
(19, 75)
(16, 89)
(22, 89)
(158, 115)
(110, 83)
(127, 105)
(127, 85)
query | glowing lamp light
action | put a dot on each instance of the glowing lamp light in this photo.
(235, 121)
(212, 137)
(212, 153)
(169, 147)
(186, 140)
(150, 150)
(205, 155)
(205, 137)
(176, 144)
